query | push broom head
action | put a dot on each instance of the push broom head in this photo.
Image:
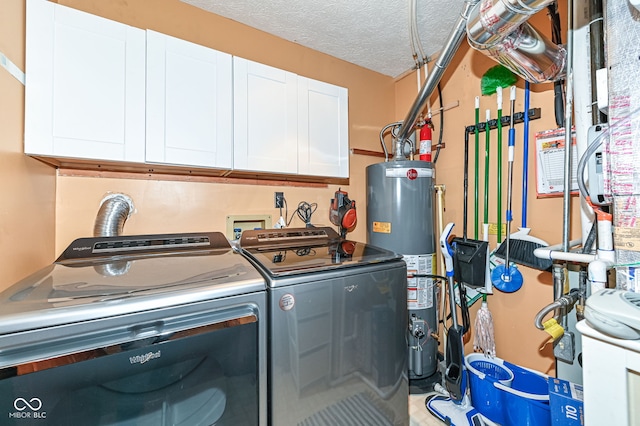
(521, 247)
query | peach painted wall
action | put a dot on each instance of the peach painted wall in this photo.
(517, 339)
(27, 187)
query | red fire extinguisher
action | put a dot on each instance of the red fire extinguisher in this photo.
(425, 143)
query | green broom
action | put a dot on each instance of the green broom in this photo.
(521, 244)
(497, 76)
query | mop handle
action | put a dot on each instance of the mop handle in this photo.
(511, 155)
(525, 155)
(445, 248)
(512, 144)
(485, 225)
(447, 253)
(476, 159)
(499, 221)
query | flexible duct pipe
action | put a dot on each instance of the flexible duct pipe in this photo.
(498, 29)
(529, 54)
(450, 48)
(114, 211)
(491, 20)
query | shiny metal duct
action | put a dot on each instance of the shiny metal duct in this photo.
(450, 48)
(499, 30)
(529, 54)
(491, 20)
(114, 211)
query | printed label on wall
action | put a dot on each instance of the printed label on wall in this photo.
(420, 289)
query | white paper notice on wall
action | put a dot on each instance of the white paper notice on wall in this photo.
(550, 163)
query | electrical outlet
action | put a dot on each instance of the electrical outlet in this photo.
(279, 200)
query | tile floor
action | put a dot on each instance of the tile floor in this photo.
(419, 416)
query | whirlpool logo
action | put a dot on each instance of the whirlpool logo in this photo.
(28, 409)
(141, 359)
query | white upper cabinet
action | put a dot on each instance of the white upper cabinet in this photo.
(265, 118)
(189, 103)
(323, 129)
(85, 85)
(286, 123)
(100, 90)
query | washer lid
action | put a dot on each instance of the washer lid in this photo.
(304, 250)
(100, 283)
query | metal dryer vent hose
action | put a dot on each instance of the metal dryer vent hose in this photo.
(498, 28)
(114, 211)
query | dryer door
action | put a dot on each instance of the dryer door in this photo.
(198, 368)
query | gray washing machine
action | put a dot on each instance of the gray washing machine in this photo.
(136, 330)
(337, 328)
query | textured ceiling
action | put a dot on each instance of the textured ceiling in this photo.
(374, 34)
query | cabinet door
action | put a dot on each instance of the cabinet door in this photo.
(85, 85)
(265, 118)
(189, 103)
(323, 129)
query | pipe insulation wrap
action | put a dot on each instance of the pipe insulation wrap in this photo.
(529, 54)
(114, 211)
(491, 20)
(499, 30)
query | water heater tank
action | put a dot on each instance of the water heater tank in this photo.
(400, 204)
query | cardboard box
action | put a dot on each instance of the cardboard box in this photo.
(566, 403)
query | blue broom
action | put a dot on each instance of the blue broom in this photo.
(521, 245)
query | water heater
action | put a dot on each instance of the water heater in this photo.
(400, 214)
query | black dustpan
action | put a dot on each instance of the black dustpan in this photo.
(470, 256)
(470, 264)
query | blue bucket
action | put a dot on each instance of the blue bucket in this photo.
(508, 394)
(483, 374)
(526, 402)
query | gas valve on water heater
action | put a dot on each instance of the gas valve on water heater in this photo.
(342, 212)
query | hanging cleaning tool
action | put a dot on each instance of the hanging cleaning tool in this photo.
(475, 161)
(525, 154)
(521, 244)
(483, 337)
(456, 408)
(496, 76)
(487, 151)
(499, 212)
(506, 277)
(470, 255)
(492, 81)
